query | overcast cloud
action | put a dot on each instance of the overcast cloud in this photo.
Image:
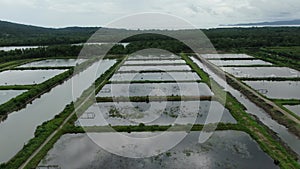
(201, 13)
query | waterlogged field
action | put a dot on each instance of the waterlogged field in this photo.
(21, 125)
(26, 77)
(294, 108)
(226, 56)
(155, 113)
(159, 89)
(155, 68)
(54, 63)
(9, 48)
(225, 149)
(153, 57)
(162, 76)
(6, 95)
(153, 62)
(251, 72)
(239, 62)
(277, 89)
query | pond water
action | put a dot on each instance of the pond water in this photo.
(157, 89)
(26, 77)
(225, 149)
(294, 108)
(277, 89)
(6, 95)
(262, 71)
(20, 125)
(239, 62)
(225, 56)
(153, 57)
(155, 113)
(156, 67)
(154, 62)
(99, 43)
(163, 76)
(290, 139)
(54, 63)
(9, 48)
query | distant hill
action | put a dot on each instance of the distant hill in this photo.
(275, 23)
(13, 34)
(20, 34)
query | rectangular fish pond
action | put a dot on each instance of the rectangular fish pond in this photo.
(144, 62)
(158, 89)
(251, 72)
(155, 113)
(225, 149)
(226, 56)
(277, 89)
(162, 76)
(294, 108)
(54, 63)
(239, 62)
(6, 95)
(153, 57)
(26, 77)
(155, 68)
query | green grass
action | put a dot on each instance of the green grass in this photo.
(17, 87)
(267, 140)
(264, 137)
(286, 51)
(282, 102)
(47, 128)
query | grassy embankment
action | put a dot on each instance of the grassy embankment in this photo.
(267, 140)
(245, 123)
(35, 91)
(47, 128)
(283, 102)
(278, 58)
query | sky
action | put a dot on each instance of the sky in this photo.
(200, 13)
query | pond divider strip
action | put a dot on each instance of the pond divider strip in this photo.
(153, 81)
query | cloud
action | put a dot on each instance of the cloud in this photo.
(204, 13)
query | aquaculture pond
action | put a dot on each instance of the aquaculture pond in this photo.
(226, 56)
(6, 95)
(26, 77)
(162, 76)
(155, 113)
(144, 62)
(155, 68)
(294, 108)
(225, 149)
(9, 48)
(155, 89)
(21, 125)
(239, 62)
(54, 63)
(277, 89)
(290, 139)
(262, 71)
(153, 57)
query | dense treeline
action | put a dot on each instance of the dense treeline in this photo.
(41, 52)
(254, 37)
(222, 38)
(226, 38)
(17, 34)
